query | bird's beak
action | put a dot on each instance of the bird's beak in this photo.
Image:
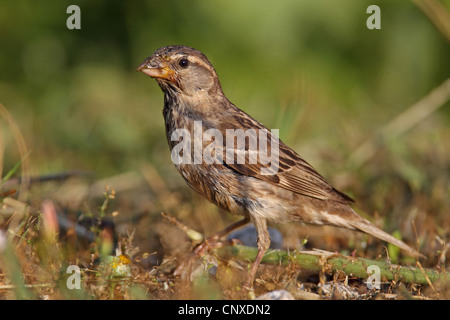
(156, 67)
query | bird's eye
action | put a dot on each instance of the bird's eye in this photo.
(184, 63)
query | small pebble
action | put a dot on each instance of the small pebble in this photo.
(276, 295)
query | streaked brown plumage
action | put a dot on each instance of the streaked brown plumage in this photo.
(296, 192)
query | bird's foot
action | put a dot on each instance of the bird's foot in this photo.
(200, 250)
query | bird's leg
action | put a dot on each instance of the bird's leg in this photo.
(263, 245)
(231, 228)
(211, 243)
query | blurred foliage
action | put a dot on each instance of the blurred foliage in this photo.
(310, 67)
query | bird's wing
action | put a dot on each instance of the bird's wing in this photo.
(290, 172)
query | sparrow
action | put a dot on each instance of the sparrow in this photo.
(240, 177)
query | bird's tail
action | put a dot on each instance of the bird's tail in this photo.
(363, 225)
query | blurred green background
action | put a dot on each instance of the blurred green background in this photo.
(310, 68)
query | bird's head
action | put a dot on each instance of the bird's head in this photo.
(181, 69)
